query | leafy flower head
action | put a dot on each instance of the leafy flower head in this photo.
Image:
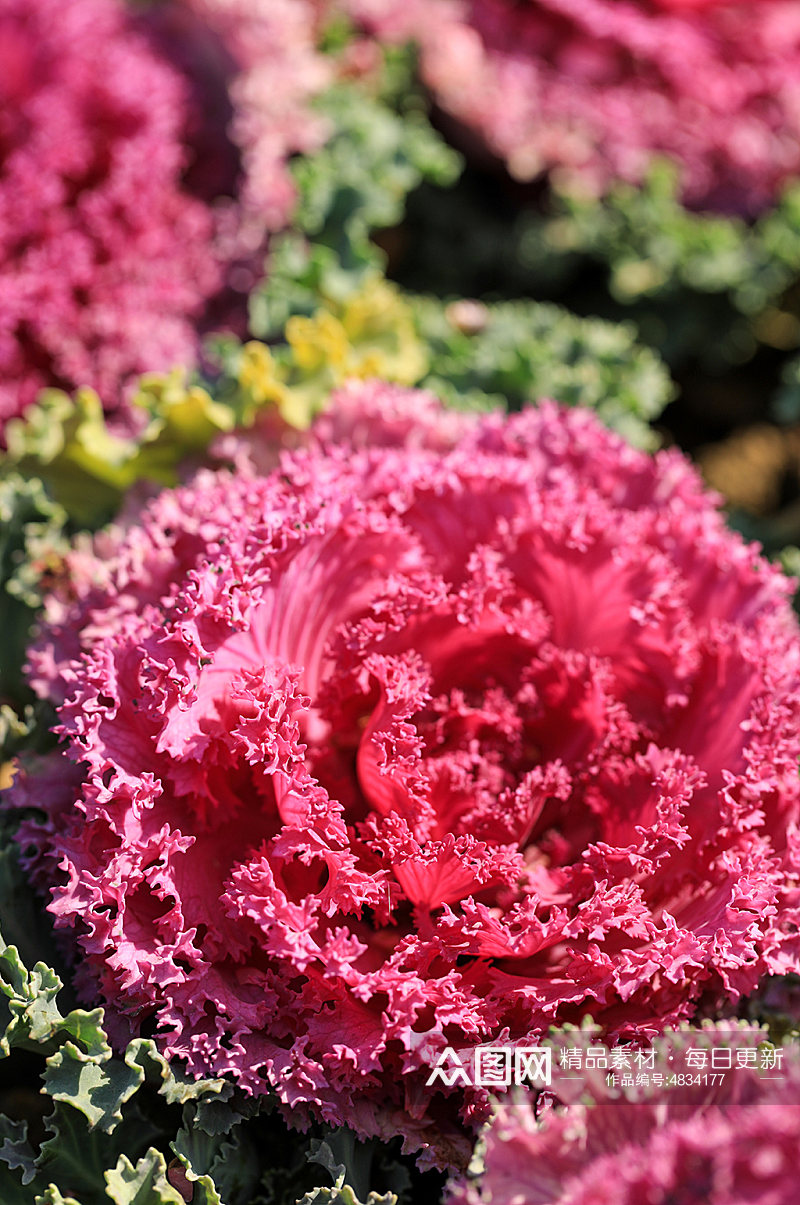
(143, 159)
(448, 730)
(105, 259)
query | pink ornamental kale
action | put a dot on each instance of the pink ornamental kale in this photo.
(733, 1143)
(143, 160)
(398, 749)
(596, 88)
(255, 68)
(105, 259)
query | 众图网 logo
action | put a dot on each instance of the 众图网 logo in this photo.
(494, 1067)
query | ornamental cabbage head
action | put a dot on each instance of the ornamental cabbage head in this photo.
(596, 88)
(131, 217)
(106, 260)
(434, 737)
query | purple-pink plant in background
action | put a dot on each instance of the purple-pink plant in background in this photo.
(255, 67)
(105, 260)
(596, 88)
(731, 1143)
(142, 161)
(412, 745)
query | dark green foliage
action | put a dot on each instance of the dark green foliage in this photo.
(521, 351)
(31, 542)
(701, 288)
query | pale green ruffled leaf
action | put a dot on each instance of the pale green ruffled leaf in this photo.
(97, 1086)
(87, 468)
(35, 1021)
(143, 1184)
(51, 1196)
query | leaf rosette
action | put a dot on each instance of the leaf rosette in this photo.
(450, 729)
